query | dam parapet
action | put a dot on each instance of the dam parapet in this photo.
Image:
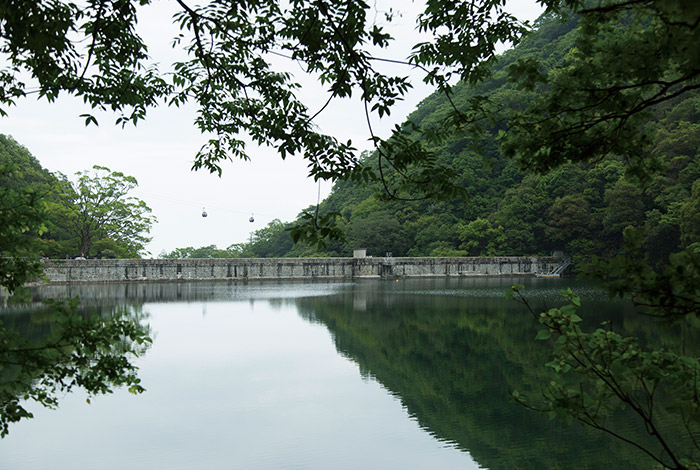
(232, 269)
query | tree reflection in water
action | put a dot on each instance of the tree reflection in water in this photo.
(451, 350)
(453, 355)
(61, 347)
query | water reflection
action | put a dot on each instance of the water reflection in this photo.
(251, 385)
(453, 350)
(137, 293)
(52, 351)
(236, 361)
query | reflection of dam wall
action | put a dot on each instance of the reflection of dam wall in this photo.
(125, 270)
(100, 294)
(136, 293)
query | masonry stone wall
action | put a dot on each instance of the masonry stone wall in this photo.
(146, 270)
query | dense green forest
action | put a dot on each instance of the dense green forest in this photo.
(579, 208)
(91, 217)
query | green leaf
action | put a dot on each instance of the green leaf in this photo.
(543, 335)
(89, 119)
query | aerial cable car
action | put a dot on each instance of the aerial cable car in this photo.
(204, 212)
(252, 219)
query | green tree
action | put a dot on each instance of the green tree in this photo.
(22, 217)
(93, 51)
(520, 212)
(480, 238)
(429, 233)
(98, 208)
(690, 222)
(88, 352)
(271, 241)
(378, 232)
(625, 207)
(569, 219)
(376, 229)
(191, 252)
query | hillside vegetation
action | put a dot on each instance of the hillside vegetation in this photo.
(90, 217)
(579, 208)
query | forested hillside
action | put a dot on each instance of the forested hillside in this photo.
(581, 209)
(89, 217)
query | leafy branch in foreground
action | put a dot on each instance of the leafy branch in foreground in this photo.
(88, 353)
(671, 293)
(596, 101)
(597, 373)
(316, 230)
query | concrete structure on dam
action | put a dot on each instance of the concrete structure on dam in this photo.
(243, 269)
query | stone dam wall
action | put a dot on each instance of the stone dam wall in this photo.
(242, 269)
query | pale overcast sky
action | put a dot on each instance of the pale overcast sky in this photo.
(159, 151)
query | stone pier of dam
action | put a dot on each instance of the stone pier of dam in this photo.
(243, 269)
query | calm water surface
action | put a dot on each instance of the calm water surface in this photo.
(412, 374)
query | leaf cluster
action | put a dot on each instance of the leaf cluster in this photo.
(89, 353)
(89, 50)
(628, 58)
(597, 372)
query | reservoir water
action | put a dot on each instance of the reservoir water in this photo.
(408, 374)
